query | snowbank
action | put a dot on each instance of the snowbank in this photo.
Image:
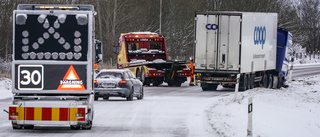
(292, 111)
(5, 88)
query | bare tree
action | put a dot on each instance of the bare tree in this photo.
(309, 13)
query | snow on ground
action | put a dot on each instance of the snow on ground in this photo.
(5, 88)
(285, 112)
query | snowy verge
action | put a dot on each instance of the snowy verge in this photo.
(292, 111)
(5, 88)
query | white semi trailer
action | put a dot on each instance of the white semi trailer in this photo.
(245, 43)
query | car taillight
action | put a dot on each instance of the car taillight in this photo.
(123, 82)
(95, 82)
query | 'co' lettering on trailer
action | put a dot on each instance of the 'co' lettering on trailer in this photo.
(212, 26)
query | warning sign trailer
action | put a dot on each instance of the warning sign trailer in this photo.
(52, 70)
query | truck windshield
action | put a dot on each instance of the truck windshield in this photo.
(156, 46)
(144, 47)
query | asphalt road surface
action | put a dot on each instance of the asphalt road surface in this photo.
(164, 112)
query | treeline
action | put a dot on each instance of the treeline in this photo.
(301, 17)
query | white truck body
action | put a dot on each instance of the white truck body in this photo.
(235, 42)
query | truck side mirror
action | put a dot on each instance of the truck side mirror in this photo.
(98, 45)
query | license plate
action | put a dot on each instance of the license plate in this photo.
(108, 85)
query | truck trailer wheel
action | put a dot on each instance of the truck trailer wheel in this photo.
(243, 83)
(265, 80)
(138, 74)
(178, 84)
(280, 82)
(207, 87)
(270, 83)
(143, 77)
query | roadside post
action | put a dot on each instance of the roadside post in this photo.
(250, 109)
(237, 88)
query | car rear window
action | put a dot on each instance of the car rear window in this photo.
(109, 75)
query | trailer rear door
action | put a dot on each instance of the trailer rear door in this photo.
(218, 42)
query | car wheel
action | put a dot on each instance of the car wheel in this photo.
(96, 97)
(130, 97)
(140, 97)
(106, 98)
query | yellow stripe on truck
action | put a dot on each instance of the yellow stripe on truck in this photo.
(55, 113)
(73, 112)
(20, 111)
(37, 113)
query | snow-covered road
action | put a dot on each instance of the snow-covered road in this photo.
(189, 111)
(165, 111)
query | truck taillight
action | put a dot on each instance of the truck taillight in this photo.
(13, 114)
(154, 74)
(129, 39)
(158, 39)
(80, 114)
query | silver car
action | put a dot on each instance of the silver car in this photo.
(117, 83)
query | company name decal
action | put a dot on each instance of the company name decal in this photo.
(259, 35)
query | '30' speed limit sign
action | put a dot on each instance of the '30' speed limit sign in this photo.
(30, 77)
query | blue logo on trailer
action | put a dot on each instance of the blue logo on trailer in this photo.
(259, 35)
(212, 26)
